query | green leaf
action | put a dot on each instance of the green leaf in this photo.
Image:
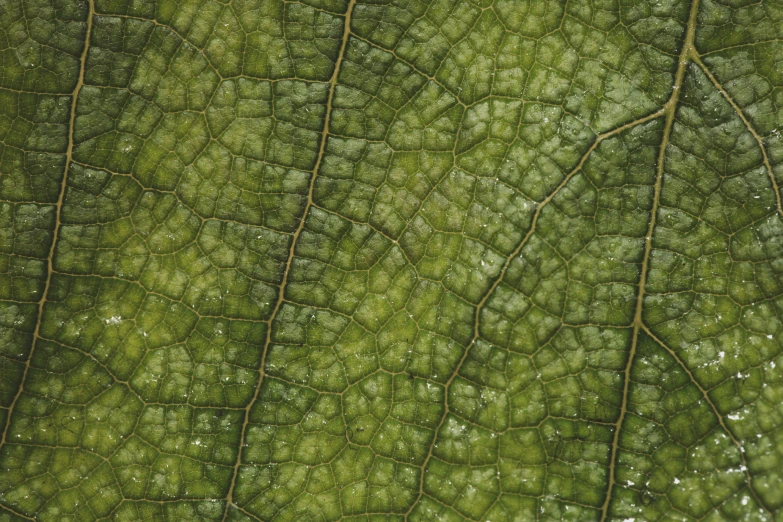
(407, 260)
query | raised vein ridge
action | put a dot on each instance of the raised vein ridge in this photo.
(289, 260)
(58, 213)
(687, 53)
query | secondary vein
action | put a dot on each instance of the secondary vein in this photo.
(58, 219)
(694, 55)
(540, 206)
(289, 261)
(715, 412)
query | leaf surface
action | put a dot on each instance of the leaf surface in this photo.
(368, 260)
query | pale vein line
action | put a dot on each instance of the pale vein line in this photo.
(694, 55)
(58, 220)
(670, 109)
(16, 513)
(540, 206)
(715, 411)
(289, 261)
(249, 514)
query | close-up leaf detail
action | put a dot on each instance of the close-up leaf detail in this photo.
(391, 260)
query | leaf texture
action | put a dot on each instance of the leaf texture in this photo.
(408, 260)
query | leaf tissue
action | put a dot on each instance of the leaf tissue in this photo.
(391, 260)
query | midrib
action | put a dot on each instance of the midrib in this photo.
(670, 109)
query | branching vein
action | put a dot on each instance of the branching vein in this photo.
(694, 55)
(477, 315)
